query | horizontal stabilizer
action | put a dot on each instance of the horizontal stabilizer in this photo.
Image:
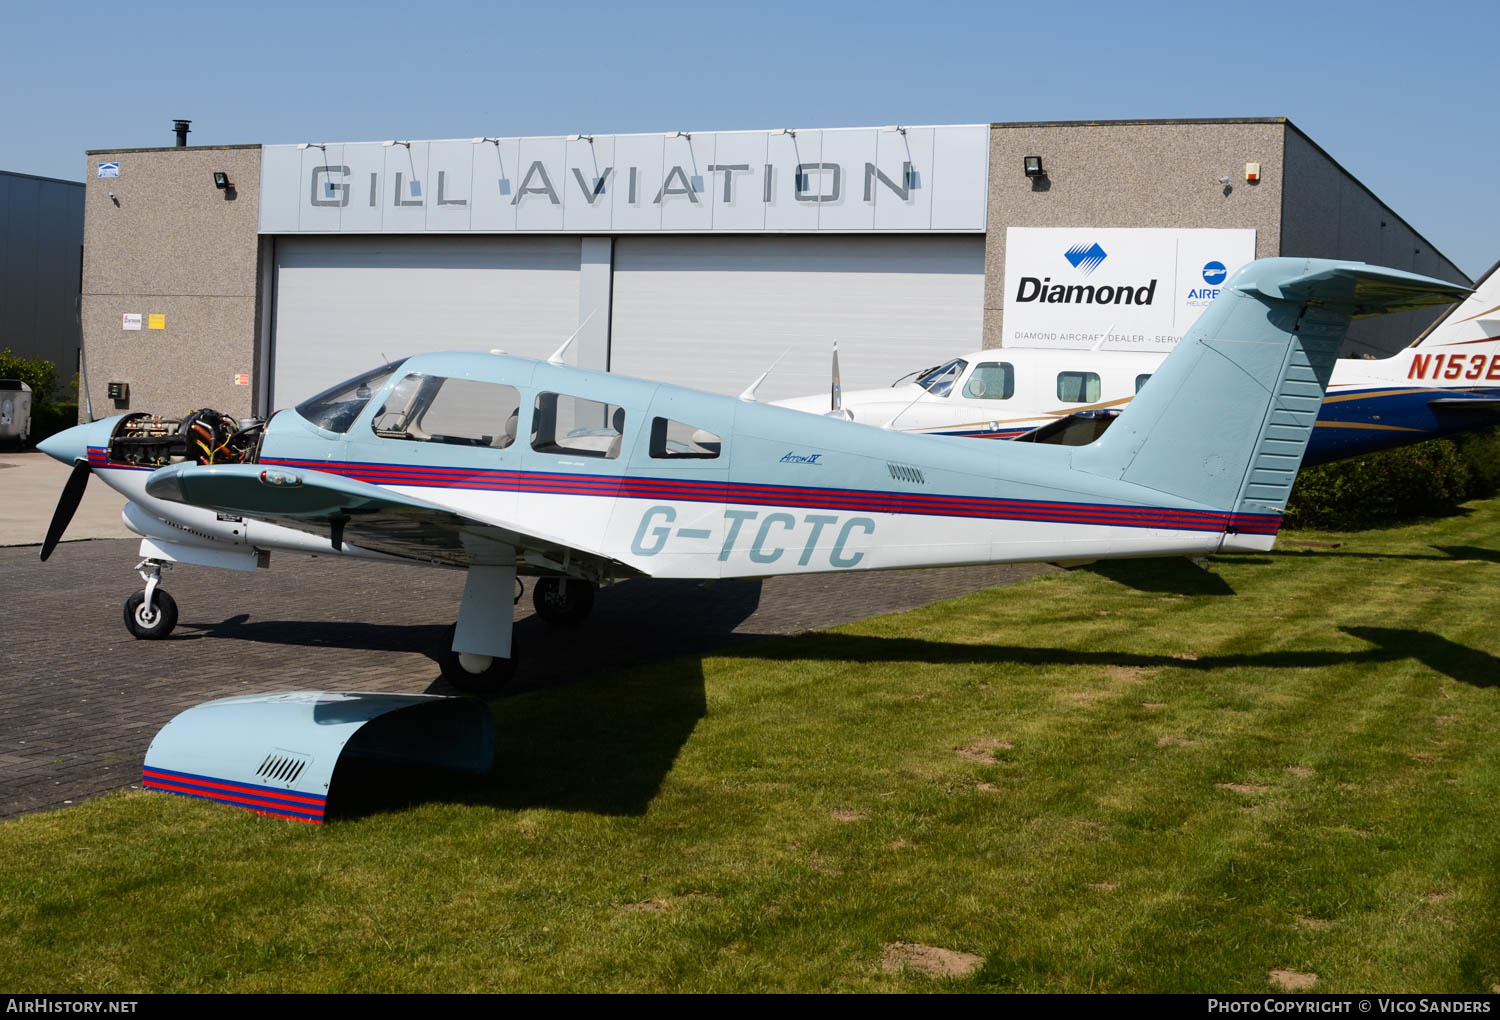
(1359, 290)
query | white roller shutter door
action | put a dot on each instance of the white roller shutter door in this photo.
(344, 304)
(714, 312)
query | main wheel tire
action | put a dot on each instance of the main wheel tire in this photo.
(565, 601)
(156, 624)
(459, 670)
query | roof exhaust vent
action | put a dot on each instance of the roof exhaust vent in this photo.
(181, 127)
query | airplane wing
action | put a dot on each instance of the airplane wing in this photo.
(1484, 405)
(368, 516)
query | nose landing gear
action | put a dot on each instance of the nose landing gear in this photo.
(150, 614)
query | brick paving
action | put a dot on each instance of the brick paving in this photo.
(80, 699)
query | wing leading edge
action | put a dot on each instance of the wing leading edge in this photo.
(368, 516)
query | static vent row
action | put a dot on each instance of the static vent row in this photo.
(903, 473)
(282, 768)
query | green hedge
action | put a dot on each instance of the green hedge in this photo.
(1422, 480)
(50, 419)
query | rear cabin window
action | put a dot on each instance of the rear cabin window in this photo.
(459, 412)
(675, 440)
(1140, 381)
(1078, 387)
(576, 426)
(991, 381)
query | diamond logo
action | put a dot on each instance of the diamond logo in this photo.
(1086, 259)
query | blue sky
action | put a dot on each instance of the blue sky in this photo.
(1397, 93)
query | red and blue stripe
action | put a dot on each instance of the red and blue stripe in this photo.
(302, 807)
(810, 497)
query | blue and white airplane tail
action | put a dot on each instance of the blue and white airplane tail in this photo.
(1226, 420)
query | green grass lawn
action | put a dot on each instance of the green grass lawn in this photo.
(1133, 777)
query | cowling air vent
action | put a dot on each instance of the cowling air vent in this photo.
(905, 473)
(282, 766)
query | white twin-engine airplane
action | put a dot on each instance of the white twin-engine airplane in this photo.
(505, 466)
(1447, 381)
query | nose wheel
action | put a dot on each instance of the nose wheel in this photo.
(150, 614)
(565, 601)
(483, 675)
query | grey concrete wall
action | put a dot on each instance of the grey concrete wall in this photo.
(41, 239)
(1326, 213)
(1129, 174)
(171, 243)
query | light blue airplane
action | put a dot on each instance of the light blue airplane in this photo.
(504, 467)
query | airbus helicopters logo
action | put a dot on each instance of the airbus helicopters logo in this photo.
(1086, 258)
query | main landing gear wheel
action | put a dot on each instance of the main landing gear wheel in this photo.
(476, 674)
(155, 622)
(565, 601)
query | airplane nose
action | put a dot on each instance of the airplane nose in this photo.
(68, 446)
(72, 445)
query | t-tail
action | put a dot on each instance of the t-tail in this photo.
(1225, 421)
(1462, 348)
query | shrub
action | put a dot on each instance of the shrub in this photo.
(1421, 480)
(38, 373)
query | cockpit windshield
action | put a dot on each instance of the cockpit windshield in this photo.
(335, 409)
(938, 381)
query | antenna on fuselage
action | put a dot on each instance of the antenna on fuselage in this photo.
(1103, 338)
(749, 393)
(557, 355)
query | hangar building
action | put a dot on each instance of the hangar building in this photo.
(248, 277)
(41, 258)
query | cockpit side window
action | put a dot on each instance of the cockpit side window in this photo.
(576, 426)
(335, 409)
(991, 381)
(460, 412)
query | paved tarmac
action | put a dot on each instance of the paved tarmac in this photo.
(29, 486)
(80, 699)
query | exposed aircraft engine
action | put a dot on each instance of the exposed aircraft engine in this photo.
(204, 437)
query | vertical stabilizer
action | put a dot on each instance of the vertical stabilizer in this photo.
(1225, 421)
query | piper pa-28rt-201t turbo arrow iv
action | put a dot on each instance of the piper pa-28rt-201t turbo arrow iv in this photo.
(505, 466)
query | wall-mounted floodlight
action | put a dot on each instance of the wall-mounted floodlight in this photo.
(581, 138)
(1033, 166)
(784, 131)
(482, 139)
(896, 128)
(221, 180)
(678, 134)
(312, 145)
(393, 141)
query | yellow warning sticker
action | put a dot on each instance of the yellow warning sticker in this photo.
(156, 321)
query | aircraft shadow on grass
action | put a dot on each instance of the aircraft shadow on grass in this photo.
(585, 738)
(606, 745)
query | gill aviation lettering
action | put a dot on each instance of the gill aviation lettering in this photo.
(812, 182)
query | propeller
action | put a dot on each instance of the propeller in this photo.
(836, 395)
(67, 506)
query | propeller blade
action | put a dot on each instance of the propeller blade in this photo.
(67, 506)
(838, 392)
